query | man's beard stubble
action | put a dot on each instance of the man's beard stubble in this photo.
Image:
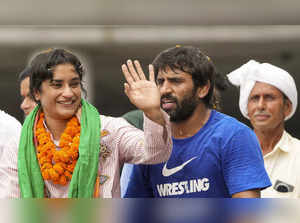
(185, 109)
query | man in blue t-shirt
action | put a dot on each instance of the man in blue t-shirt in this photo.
(213, 154)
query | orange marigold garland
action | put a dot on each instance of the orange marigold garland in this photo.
(58, 165)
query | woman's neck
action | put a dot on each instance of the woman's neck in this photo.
(55, 126)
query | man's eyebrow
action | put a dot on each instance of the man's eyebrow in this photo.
(175, 78)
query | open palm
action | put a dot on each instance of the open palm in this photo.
(143, 93)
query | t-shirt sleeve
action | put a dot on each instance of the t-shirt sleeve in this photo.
(243, 164)
(139, 183)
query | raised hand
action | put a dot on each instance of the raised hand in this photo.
(143, 93)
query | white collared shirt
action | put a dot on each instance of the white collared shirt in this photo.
(283, 167)
(10, 130)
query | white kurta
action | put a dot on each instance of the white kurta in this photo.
(283, 166)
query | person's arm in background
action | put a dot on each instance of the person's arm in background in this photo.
(139, 185)
(125, 175)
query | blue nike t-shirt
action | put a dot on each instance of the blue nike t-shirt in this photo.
(221, 159)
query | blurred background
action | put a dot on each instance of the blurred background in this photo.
(104, 34)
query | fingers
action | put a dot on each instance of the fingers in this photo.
(127, 75)
(126, 88)
(151, 73)
(139, 70)
(133, 72)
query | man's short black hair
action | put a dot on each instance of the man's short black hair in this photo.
(191, 60)
(24, 74)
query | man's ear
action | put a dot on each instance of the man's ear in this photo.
(287, 107)
(203, 91)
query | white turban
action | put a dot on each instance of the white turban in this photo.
(246, 76)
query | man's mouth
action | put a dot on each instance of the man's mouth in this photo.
(168, 104)
(261, 117)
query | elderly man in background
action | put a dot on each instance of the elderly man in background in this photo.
(268, 97)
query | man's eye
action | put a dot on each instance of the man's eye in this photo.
(269, 97)
(159, 82)
(254, 98)
(176, 81)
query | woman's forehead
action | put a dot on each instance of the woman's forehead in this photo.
(63, 71)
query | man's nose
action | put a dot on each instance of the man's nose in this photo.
(25, 104)
(165, 88)
(261, 103)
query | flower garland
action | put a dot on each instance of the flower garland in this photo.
(58, 165)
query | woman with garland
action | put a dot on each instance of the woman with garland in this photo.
(67, 149)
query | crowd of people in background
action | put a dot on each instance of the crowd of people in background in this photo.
(177, 144)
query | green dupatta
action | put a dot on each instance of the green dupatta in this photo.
(84, 176)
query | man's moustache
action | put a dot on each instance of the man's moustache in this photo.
(168, 97)
(261, 113)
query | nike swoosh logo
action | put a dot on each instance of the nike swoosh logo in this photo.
(168, 172)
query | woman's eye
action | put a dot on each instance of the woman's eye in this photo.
(56, 85)
(75, 84)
